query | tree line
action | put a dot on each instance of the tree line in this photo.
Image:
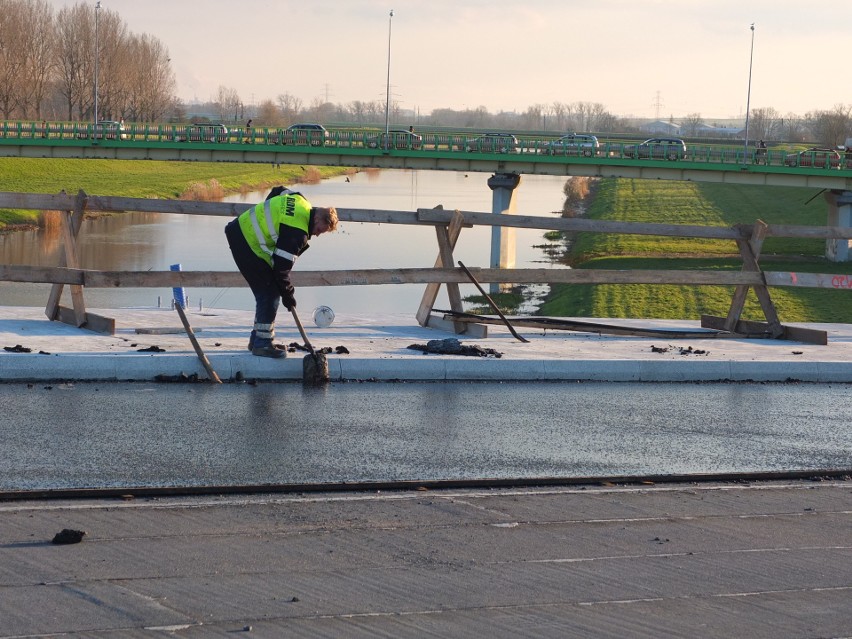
(828, 128)
(48, 71)
(48, 61)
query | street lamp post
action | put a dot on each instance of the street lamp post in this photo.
(748, 97)
(97, 56)
(387, 97)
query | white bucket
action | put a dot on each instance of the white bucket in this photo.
(323, 316)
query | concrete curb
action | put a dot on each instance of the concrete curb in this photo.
(379, 350)
(26, 367)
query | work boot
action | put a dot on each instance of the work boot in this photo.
(269, 351)
(251, 345)
(253, 337)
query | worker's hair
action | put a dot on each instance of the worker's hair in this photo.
(326, 215)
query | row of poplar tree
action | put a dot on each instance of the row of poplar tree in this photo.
(49, 61)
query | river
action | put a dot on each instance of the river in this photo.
(151, 241)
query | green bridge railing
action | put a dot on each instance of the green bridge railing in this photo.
(374, 141)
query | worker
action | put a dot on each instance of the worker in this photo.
(265, 242)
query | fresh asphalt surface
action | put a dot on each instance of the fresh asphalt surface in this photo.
(96, 434)
(550, 407)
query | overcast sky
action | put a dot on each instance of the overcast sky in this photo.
(636, 57)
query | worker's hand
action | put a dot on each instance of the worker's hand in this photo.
(288, 298)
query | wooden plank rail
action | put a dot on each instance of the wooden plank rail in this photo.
(368, 277)
(448, 225)
(428, 217)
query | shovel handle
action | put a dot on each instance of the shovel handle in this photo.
(302, 331)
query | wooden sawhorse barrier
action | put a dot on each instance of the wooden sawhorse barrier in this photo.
(77, 315)
(448, 237)
(750, 248)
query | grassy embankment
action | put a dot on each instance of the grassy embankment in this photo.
(145, 179)
(704, 204)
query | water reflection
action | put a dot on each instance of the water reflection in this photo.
(153, 241)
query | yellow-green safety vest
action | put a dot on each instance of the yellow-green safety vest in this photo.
(260, 224)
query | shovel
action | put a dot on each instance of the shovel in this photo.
(315, 365)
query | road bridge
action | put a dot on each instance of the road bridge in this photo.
(506, 156)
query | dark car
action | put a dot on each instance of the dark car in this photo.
(203, 133)
(573, 144)
(493, 143)
(657, 149)
(302, 135)
(106, 129)
(394, 140)
(814, 157)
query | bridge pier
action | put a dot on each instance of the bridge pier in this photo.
(502, 187)
(839, 214)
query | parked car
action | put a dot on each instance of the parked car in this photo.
(105, 129)
(394, 140)
(493, 143)
(302, 135)
(657, 149)
(203, 133)
(814, 157)
(573, 144)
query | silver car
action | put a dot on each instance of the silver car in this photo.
(657, 149)
(573, 144)
(493, 143)
(303, 135)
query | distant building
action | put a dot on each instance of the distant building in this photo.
(661, 127)
(707, 131)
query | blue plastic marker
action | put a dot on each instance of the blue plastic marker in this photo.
(178, 291)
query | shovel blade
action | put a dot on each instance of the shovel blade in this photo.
(315, 369)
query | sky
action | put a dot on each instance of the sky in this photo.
(641, 58)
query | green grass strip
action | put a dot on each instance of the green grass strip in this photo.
(636, 200)
(142, 179)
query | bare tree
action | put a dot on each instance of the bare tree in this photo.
(291, 106)
(830, 128)
(763, 123)
(228, 103)
(150, 81)
(26, 60)
(75, 58)
(533, 117)
(692, 124)
(13, 35)
(268, 114)
(115, 66)
(358, 111)
(320, 111)
(791, 128)
(559, 112)
(587, 116)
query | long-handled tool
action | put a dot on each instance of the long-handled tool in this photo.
(201, 356)
(520, 338)
(315, 365)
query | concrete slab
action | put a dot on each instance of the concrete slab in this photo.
(763, 559)
(379, 349)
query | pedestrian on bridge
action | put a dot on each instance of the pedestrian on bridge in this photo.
(265, 242)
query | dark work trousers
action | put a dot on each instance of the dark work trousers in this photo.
(258, 274)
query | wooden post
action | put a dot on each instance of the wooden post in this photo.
(447, 238)
(750, 252)
(72, 221)
(453, 230)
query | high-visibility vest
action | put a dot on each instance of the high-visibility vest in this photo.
(260, 224)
